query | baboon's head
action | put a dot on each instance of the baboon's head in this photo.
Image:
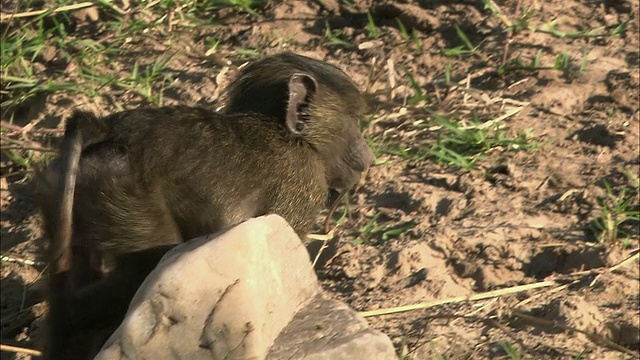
(315, 101)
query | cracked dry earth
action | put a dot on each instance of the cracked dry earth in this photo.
(517, 218)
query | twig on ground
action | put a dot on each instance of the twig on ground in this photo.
(17, 349)
(325, 240)
(86, 4)
(457, 299)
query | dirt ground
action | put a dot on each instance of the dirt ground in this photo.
(554, 209)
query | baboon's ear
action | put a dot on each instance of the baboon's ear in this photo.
(302, 87)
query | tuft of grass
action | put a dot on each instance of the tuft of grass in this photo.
(194, 13)
(19, 89)
(463, 146)
(144, 81)
(23, 161)
(419, 95)
(410, 37)
(523, 23)
(381, 231)
(511, 351)
(466, 49)
(212, 44)
(335, 37)
(20, 50)
(403, 30)
(580, 355)
(416, 41)
(600, 32)
(561, 62)
(617, 210)
(87, 66)
(248, 53)
(249, 6)
(460, 144)
(372, 30)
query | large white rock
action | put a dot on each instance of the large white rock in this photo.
(247, 293)
(224, 296)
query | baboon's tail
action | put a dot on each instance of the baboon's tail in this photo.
(82, 125)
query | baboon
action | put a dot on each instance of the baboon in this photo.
(130, 186)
